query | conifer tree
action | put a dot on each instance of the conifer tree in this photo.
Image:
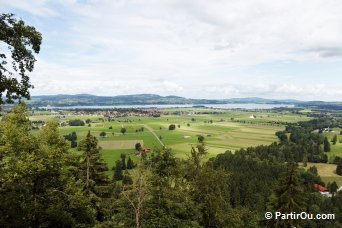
(93, 172)
(326, 145)
(127, 179)
(288, 196)
(118, 174)
(93, 167)
(334, 140)
(123, 161)
(130, 164)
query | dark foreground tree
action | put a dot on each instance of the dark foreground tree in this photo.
(36, 187)
(288, 197)
(22, 40)
(134, 194)
(93, 172)
(93, 167)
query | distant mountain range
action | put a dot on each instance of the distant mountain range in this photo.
(139, 99)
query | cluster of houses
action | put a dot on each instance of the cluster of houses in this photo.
(324, 190)
(135, 112)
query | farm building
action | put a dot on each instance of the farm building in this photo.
(323, 190)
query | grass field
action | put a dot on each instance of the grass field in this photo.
(335, 150)
(327, 172)
(224, 130)
(120, 144)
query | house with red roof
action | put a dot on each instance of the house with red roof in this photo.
(320, 188)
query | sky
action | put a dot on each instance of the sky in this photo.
(213, 49)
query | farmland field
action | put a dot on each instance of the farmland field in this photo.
(223, 130)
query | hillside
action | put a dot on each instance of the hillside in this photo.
(138, 99)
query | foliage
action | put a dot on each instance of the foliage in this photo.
(36, 186)
(200, 138)
(334, 140)
(138, 146)
(92, 170)
(130, 163)
(123, 161)
(172, 127)
(118, 173)
(76, 122)
(339, 168)
(288, 196)
(326, 145)
(22, 40)
(71, 137)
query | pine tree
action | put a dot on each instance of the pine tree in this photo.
(127, 179)
(123, 161)
(334, 139)
(73, 144)
(93, 172)
(118, 171)
(288, 196)
(326, 145)
(93, 167)
(170, 203)
(130, 164)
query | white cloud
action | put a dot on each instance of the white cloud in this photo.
(190, 48)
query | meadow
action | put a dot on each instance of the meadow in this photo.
(223, 130)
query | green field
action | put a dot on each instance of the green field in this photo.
(223, 130)
(335, 150)
(327, 172)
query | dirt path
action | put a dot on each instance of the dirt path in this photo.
(155, 135)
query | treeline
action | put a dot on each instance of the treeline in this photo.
(44, 185)
(300, 142)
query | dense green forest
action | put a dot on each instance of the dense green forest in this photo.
(44, 185)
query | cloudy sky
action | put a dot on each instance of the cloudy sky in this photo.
(197, 49)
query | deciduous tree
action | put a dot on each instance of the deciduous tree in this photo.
(22, 40)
